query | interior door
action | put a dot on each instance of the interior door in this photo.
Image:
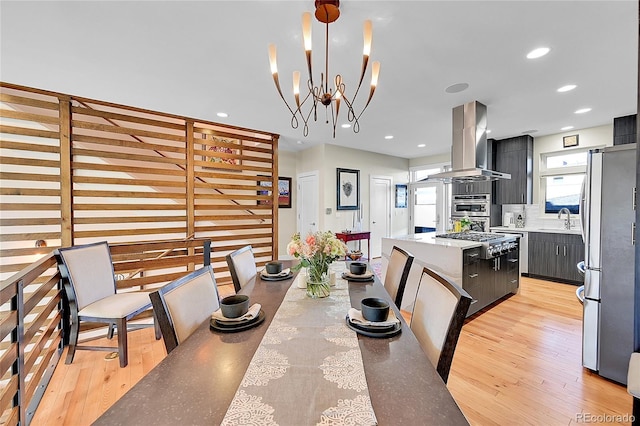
(307, 205)
(380, 216)
(427, 207)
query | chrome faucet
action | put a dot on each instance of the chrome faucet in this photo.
(567, 221)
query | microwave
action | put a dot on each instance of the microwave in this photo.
(471, 205)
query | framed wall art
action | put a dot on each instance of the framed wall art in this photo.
(568, 141)
(224, 146)
(402, 196)
(284, 192)
(348, 189)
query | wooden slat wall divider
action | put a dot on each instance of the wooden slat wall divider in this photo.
(77, 170)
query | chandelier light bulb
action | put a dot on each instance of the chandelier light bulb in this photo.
(306, 30)
(368, 33)
(296, 83)
(272, 59)
(375, 71)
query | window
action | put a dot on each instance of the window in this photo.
(562, 174)
(419, 174)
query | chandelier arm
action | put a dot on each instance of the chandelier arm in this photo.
(373, 89)
(334, 118)
(308, 54)
(305, 120)
(294, 119)
(365, 64)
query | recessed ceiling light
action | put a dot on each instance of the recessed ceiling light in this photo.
(537, 53)
(488, 131)
(567, 88)
(456, 88)
(300, 142)
(583, 110)
(422, 145)
(346, 126)
(567, 128)
(222, 114)
(389, 137)
(526, 132)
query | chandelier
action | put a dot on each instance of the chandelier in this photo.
(327, 11)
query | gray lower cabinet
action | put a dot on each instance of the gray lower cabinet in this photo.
(489, 280)
(555, 256)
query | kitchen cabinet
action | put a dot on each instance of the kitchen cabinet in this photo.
(624, 130)
(555, 256)
(480, 187)
(489, 280)
(471, 280)
(514, 156)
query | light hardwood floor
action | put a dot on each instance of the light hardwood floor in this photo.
(517, 363)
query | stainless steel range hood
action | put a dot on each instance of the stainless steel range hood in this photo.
(469, 148)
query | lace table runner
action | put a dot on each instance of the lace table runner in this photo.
(308, 368)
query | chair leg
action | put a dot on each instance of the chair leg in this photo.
(122, 341)
(156, 326)
(636, 412)
(110, 331)
(73, 341)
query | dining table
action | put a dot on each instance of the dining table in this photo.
(216, 377)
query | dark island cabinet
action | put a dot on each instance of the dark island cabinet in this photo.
(471, 279)
(514, 156)
(488, 280)
(481, 187)
(555, 256)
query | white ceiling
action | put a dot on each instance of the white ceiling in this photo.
(202, 57)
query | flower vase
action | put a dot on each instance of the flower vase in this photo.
(318, 286)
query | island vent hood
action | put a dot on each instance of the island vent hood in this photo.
(469, 148)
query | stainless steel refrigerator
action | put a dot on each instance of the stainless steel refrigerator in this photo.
(608, 224)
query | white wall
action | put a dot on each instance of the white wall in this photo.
(590, 137)
(287, 217)
(430, 159)
(325, 159)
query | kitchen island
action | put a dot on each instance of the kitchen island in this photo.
(486, 280)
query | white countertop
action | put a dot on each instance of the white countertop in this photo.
(575, 231)
(430, 238)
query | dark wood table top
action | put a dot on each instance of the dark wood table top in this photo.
(197, 381)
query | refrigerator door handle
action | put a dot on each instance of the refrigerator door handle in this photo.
(582, 208)
(633, 234)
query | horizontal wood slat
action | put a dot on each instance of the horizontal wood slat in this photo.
(125, 130)
(38, 118)
(15, 130)
(127, 144)
(126, 117)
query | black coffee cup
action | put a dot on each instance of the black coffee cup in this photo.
(374, 309)
(234, 306)
(273, 267)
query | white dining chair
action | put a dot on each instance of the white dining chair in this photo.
(242, 266)
(184, 304)
(395, 279)
(90, 287)
(438, 315)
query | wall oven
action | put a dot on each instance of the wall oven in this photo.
(476, 207)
